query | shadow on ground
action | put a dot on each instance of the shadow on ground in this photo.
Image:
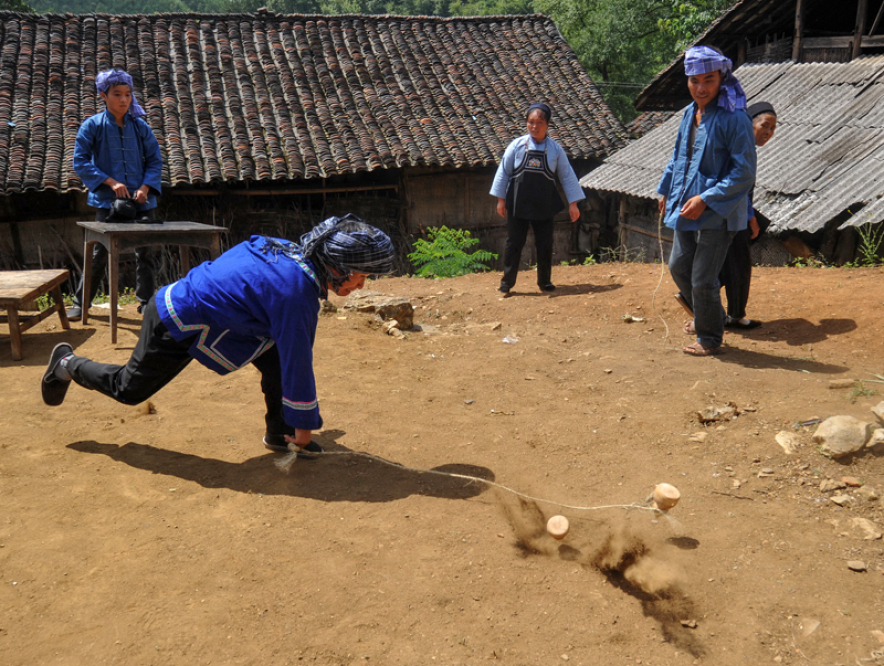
(567, 290)
(797, 332)
(332, 478)
(762, 361)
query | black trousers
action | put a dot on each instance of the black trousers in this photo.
(158, 358)
(145, 265)
(517, 234)
(736, 275)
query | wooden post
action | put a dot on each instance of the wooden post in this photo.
(860, 28)
(799, 31)
(741, 53)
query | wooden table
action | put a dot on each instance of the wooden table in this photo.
(19, 288)
(123, 237)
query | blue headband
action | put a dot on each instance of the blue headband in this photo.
(117, 77)
(703, 60)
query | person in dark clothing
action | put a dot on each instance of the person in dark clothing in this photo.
(527, 196)
(257, 303)
(736, 274)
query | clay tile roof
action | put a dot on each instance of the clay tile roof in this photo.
(265, 97)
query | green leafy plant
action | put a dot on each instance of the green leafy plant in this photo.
(871, 237)
(859, 391)
(445, 254)
(808, 262)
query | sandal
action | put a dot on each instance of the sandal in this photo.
(697, 349)
(689, 328)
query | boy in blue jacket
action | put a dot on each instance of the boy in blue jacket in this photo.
(257, 303)
(705, 189)
(117, 156)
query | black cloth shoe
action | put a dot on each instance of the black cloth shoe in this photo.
(503, 288)
(730, 322)
(53, 388)
(548, 287)
(75, 312)
(278, 444)
(140, 307)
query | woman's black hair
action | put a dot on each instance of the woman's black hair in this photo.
(543, 108)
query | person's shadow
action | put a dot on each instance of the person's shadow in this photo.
(761, 361)
(331, 478)
(797, 332)
(569, 290)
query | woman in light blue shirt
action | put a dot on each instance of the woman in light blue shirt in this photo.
(527, 195)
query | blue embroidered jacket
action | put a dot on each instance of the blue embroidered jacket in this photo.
(234, 308)
(128, 154)
(721, 170)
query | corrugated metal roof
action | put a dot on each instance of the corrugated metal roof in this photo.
(827, 156)
(745, 21)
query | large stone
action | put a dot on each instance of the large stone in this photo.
(876, 442)
(878, 411)
(385, 307)
(839, 436)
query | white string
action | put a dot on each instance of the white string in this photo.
(286, 463)
(662, 272)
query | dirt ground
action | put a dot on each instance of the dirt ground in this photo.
(164, 534)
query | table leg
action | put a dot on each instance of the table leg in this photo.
(113, 269)
(14, 333)
(87, 280)
(184, 253)
(59, 304)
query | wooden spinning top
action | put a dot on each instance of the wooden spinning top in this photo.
(558, 527)
(665, 496)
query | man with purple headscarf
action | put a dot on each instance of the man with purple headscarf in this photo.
(117, 156)
(705, 191)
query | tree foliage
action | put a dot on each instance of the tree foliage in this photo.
(621, 43)
(15, 6)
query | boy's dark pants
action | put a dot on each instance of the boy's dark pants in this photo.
(158, 358)
(145, 265)
(517, 234)
(736, 275)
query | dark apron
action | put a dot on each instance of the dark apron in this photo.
(532, 193)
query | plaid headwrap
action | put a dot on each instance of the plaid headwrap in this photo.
(117, 77)
(346, 244)
(703, 60)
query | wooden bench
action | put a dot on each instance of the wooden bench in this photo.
(20, 288)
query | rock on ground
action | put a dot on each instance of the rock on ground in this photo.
(877, 440)
(866, 528)
(839, 436)
(386, 307)
(878, 411)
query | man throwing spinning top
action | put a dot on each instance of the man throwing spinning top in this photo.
(257, 303)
